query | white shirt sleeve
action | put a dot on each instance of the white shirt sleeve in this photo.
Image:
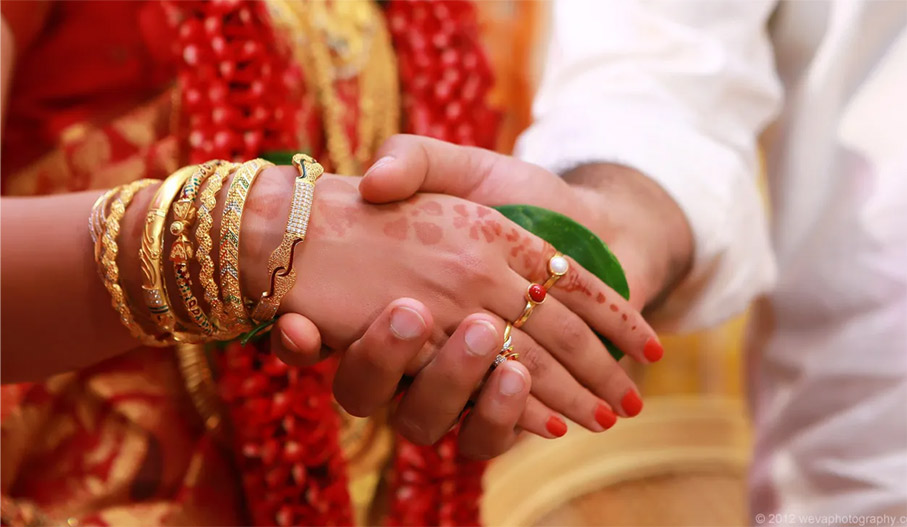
(678, 90)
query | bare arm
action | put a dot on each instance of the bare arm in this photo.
(56, 314)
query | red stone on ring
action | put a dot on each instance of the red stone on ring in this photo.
(537, 293)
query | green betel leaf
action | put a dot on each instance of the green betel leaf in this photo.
(571, 238)
(279, 157)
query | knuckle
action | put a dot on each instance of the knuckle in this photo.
(414, 432)
(477, 453)
(375, 359)
(571, 335)
(531, 356)
(614, 379)
(355, 406)
(579, 402)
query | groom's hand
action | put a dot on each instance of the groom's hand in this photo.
(640, 222)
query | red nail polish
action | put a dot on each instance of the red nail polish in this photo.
(556, 426)
(631, 403)
(605, 416)
(653, 350)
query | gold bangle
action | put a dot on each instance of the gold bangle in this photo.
(207, 203)
(281, 274)
(231, 290)
(98, 218)
(107, 264)
(154, 287)
(184, 213)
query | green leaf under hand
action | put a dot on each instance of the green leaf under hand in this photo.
(571, 238)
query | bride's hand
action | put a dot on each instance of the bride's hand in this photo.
(370, 370)
(460, 259)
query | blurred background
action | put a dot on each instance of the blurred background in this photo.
(683, 460)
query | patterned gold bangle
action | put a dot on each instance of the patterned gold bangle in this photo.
(97, 220)
(207, 202)
(281, 275)
(230, 287)
(184, 213)
(108, 233)
(154, 287)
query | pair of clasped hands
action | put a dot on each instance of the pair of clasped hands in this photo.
(407, 273)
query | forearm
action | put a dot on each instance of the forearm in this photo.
(641, 223)
(56, 313)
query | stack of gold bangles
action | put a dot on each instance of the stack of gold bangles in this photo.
(229, 314)
(535, 295)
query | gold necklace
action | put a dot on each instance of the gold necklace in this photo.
(336, 41)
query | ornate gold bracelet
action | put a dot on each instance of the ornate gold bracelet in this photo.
(97, 220)
(154, 287)
(181, 251)
(229, 240)
(281, 275)
(107, 264)
(208, 201)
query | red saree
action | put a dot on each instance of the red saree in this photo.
(106, 93)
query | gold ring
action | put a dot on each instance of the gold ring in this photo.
(557, 267)
(535, 295)
(506, 352)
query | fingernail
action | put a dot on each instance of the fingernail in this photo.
(653, 350)
(481, 338)
(379, 163)
(605, 417)
(512, 382)
(556, 426)
(631, 403)
(288, 342)
(406, 324)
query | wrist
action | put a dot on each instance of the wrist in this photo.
(263, 224)
(642, 225)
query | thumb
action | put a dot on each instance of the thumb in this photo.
(296, 341)
(409, 163)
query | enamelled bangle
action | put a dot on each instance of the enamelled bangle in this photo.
(184, 214)
(107, 233)
(281, 274)
(207, 203)
(154, 287)
(229, 240)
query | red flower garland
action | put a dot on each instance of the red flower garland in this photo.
(445, 79)
(238, 89)
(444, 74)
(238, 86)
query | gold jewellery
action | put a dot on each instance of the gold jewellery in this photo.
(208, 202)
(184, 214)
(339, 42)
(189, 197)
(537, 293)
(281, 274)
(229, 239)
(154, 287)
(506, 352)
(107, 230)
